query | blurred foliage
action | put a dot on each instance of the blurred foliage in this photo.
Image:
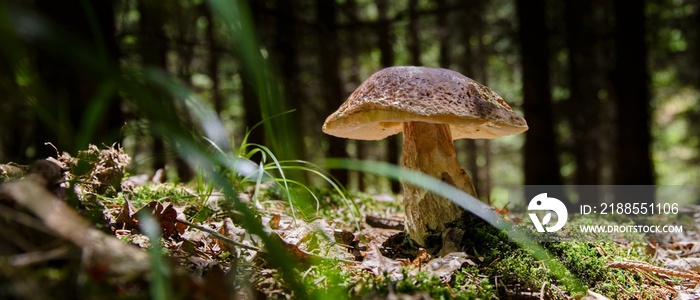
(231, 50)
(248, 53)
(226, 50)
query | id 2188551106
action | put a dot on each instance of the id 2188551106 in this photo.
(630, 209)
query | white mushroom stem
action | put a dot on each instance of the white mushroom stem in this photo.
(428, 148)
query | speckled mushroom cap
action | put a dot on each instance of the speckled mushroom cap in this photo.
(379, 106)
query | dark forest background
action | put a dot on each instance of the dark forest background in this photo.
(610, 89)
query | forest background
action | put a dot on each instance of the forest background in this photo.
(610, 89)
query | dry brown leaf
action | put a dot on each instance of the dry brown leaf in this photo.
(275, 221)
(378, 264)
(502, 211)
(443, 267)
(166, 216)
(684, 264)
(421, 258)
(126, 218)
(343, 237)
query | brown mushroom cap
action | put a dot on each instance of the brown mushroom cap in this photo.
(380, 105)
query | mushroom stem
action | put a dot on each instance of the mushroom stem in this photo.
(428, 148)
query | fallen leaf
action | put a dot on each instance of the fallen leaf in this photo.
(443, 267)
(422, 258)
(166, 216)
(343, 237)
(378, 264)
(275, 222)
(126, 218)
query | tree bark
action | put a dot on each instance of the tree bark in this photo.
(281, 130)
(69, 89)
(13, 139)
(584, 84)
(213, 62)
(251, 103)
(469, 19)
(385, 44)
(354, 37)
(695, 115)
(633, 163)
(153, 53)
(484, 180)
(443, 34)
(541, 157)
(329, 61)
(584, 77)
(413, 40)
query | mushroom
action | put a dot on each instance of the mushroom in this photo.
(432, 107)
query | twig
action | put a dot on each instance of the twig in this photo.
(542, 291)
(219, 236)
(28, 259)
(384, 222)
(655, 269)
(232, 242)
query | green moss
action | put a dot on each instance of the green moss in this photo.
(485, 241)
(469, 282)
(464, 285)
(327, 280)
(162, 192)
(588, 261)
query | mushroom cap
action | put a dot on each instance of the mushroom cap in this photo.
(380, 105)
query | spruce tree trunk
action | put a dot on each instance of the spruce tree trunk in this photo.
(541, 163)
(329, 62)
(69, 88)
(386, 42)
(633, 164)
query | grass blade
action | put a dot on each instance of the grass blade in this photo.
(465, 201)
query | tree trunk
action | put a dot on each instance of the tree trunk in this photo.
(584, 86)
(251, 103)
(695, 115)
(584, 82)
(153, 53)
(633, 163)
(329, 61)
(69, 89)
(482, 61)
(443, 34)
(282, 130)
(469, 18)
(541, 160)
(385, 38)
(413, 39)
(13, 139)
(213, 62)
(386, 42)
(354, 37)
(271, 88)
(253, 114)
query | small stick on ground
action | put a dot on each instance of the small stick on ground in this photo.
(219, 236)
(655, 269)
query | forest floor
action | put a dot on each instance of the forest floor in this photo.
(88, 232)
